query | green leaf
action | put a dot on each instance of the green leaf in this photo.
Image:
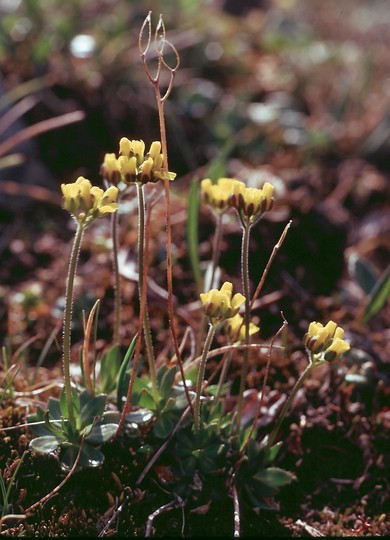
(181, 401)
(272, 453)
(169, 404)
(94, 407)
(89, 457)
(160, 373)
(123, 380)
(140, 383)
(163, 426)
(146, 400)
(75, 404)
(53, 406)
(192, 232)
(188, 465)
(140, 417)
(213, 388)
(110, 365)
(275, 477)
(167, 382)
(258, 489)
(45, 444)
(363, 271)
(101, 433)
(378, 296)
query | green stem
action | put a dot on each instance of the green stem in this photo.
(201, 372)
(141, 284)
(287, 405)
(68, 319)
(117, 280)
(246, 293)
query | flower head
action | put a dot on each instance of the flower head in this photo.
(325, 342)
(236, 329)
(220, 304)
(86, 202)
(135, 166)
(251, 203)
(218, 195)
(110, 169)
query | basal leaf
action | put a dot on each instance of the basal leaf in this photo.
(378, 296)
(102, 433)
(94, 407)
(45, 444)
(274, 477)
(109, 369)
(123, 380)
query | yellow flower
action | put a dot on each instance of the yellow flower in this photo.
(128, 168)
(108, 202)
(86, 202)
(132, 148)
(236, 329)
(218, 195)
(110, 169)
(251, 203)
(136, 167)
(219, 305)
(325, 341)
(336, 349)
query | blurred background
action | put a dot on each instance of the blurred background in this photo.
(275, 81)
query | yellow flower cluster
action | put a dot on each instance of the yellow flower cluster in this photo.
(326, 341)
(219, 305)
(133, 165)
(236, 329)
(251, 203)
(218, 195)
(86, 202)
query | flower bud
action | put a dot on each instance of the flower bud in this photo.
(110, 169)
(325, 341)
(219, 305)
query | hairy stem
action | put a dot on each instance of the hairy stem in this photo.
(117, 279)
(68, 319)
(246, 322)
(141, 285)
(201, 372)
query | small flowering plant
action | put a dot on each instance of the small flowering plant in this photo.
(133, 165)
(86, 202)
(220, 305)
(325, 343)
(218, 195)
(76, 421)
(210, 443)
(252, 203)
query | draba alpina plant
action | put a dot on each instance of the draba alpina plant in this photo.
(76, 420)
(176, 406)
